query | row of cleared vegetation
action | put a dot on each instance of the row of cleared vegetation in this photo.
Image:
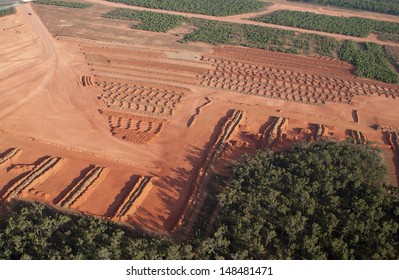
(206, 7)
(78, 5)
(352, 26)
(379, 6)
(321, 200)
(6, 12)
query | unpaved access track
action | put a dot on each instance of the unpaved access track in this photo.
(244, 19)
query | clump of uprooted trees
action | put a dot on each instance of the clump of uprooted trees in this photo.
(321, 200)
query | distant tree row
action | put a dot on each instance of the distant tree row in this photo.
(322, 200)
(150, 21)
(7, 12)
(370, 61)
(352, 26)
(78, 5)
(216, 33)
(379, 6)
(206, 7)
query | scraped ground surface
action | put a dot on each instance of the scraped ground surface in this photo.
(119, 123)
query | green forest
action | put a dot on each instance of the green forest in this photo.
(352, 26)
(206, 7)
(379, 6)
(7, 12)
(78, 5)
(322, 200)
(370, 61)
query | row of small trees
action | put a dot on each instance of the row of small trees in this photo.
(150, 21)
(352, 26)
(77, 5)
(206, 7)
(379, 6)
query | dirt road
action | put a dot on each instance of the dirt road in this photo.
(243, 19)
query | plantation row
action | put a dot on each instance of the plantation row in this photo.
(142, 100)
(379, 6)
(218, 33)
(7, 12)
(352, 26)
(371, 61)
(78, 5)
(206, 7)
(149, 21)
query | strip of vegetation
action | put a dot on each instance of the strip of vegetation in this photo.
(261, 37)
(149, 21)
(77, 5)
(320, 200)
(370, 61)
(378, 6)
(389, 37)
(352, 26)
(206, 7)
(7, 12)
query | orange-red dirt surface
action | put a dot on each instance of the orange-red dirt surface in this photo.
(127, 127)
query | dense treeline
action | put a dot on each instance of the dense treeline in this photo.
(370, 61)
(379, 6)
(352, 26)
(34, 231)
(78, 5)
(149, 21)
(318, 201)
(206, 7)
(7, 12)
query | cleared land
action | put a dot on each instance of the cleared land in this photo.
(129, 125)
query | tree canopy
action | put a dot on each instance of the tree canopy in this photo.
(319, 201)
(322, 200)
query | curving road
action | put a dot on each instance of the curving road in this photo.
(243, 19)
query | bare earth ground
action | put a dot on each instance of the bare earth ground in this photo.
(119, 123)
